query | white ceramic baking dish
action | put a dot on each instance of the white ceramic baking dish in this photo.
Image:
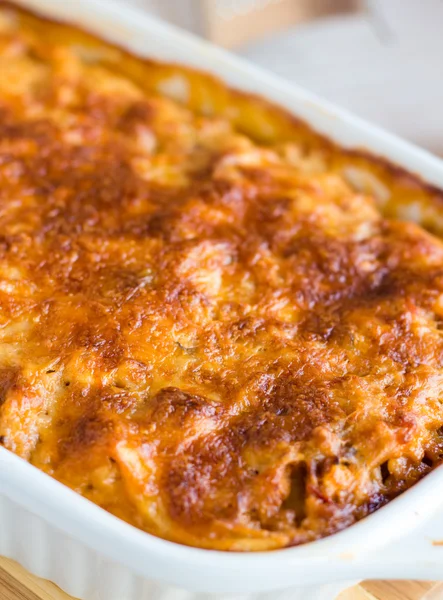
(60, 536)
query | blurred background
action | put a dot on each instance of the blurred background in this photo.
(379, 58)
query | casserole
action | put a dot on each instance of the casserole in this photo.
(266, 563)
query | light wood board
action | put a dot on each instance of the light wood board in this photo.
(18, 584)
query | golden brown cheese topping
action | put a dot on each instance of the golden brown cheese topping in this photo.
(222, 342)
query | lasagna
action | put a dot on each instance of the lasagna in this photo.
(214, 323)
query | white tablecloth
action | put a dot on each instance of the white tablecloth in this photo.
(386, 65)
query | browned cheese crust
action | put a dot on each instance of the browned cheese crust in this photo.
(226, 339)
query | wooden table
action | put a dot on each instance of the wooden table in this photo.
(18, 584)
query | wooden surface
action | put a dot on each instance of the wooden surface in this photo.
(234, 22)
(231, 24)
(17, 584)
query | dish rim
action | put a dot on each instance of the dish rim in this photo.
(82, 520)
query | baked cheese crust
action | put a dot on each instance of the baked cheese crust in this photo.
(232, 341)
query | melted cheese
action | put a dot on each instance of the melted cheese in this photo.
(228, 343)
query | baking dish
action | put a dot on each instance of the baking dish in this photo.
(64, 538)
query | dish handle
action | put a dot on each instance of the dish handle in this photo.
(417, 555)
